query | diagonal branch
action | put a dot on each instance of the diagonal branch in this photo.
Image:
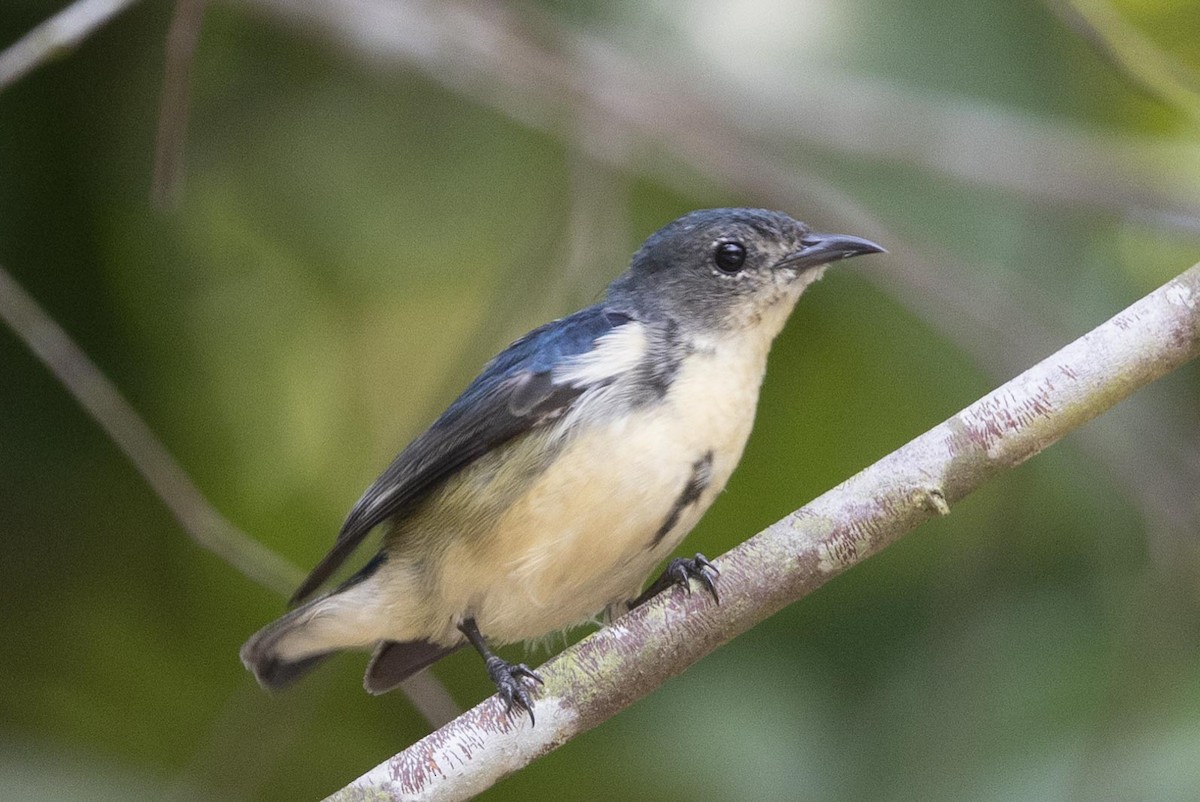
(104, 402)
(542, 74)
(170, 482)
(55, 36)
(606, 672)
(1133, 53)
(171, 141)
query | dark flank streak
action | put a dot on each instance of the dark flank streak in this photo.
(663, 360)
(701, 475)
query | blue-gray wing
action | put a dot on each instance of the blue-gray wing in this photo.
(521, 389)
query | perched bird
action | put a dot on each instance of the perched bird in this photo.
(569, 468)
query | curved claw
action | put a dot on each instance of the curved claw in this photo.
(702, 561)
(680, 571)
(525, 671)
(711, 586)
(519, 698)
(684, 569)
(508, 679)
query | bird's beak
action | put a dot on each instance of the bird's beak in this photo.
(820, 249)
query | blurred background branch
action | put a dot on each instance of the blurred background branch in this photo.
(545, 75)
(170, 144)
(1133, 53)
(56, 36)
(196, 516)
(96, 394)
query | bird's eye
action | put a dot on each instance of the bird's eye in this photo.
(729, 256)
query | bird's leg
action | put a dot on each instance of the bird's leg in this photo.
(507, 676)
(679, 572)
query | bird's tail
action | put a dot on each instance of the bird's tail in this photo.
(287, 649)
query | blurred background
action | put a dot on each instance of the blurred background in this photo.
(377, 196)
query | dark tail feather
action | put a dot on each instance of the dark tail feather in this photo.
(275, 673)
(395, 661)
(260, 652)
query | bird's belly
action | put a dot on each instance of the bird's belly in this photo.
(582, 537)
(590, 528)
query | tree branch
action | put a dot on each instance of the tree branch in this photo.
(171, 140)
(543, 75)
(170, 482)
(55, 36)
(606, 672)
(1132, 53)
(104, 402)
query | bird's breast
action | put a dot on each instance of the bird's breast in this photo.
(624, 489)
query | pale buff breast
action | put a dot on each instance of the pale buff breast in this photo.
(581, 536)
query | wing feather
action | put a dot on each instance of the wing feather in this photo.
(531, 383)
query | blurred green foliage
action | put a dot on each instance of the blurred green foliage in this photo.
(353, 243)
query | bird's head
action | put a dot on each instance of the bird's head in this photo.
(723, 269)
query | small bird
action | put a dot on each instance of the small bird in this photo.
(569, 468)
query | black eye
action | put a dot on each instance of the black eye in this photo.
(729, 256)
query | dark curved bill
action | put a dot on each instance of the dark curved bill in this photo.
(820, 249)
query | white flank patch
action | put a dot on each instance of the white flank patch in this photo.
(615, 353)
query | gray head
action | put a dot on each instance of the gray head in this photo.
(729, 268)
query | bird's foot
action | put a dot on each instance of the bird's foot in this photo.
(680, 571)
(510, 682)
